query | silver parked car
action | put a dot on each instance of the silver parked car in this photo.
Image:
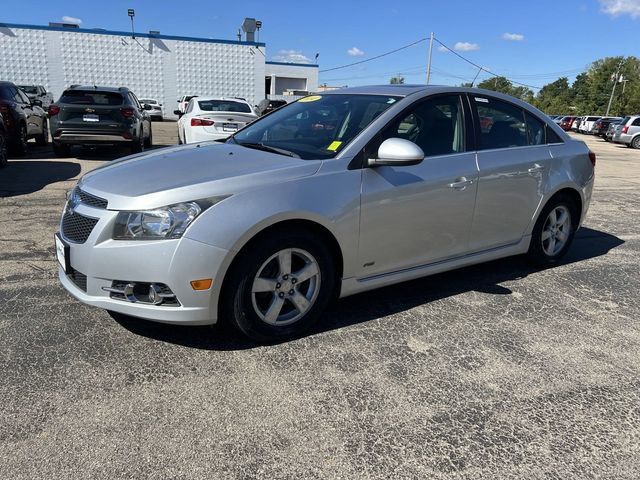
(628, 132)
(326, 197)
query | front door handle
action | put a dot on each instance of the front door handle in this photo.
(460, 183)
(536, 168)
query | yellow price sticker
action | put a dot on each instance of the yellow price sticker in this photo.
(334, 146)
(310, 98)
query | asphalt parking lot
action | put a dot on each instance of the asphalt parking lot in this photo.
(494, 371)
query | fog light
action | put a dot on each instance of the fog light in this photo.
(154, 294)
(202, 284)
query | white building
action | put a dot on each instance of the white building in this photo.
(152, 65)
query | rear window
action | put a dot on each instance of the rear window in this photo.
(79, 97)
(29, 89)
(147, 100)
(223, 106)
(592, 119)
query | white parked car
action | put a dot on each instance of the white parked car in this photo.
(213, 119)
(587, 124)
(183, 101)
(156, 112)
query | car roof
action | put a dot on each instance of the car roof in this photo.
(226, 99)
(98, 88)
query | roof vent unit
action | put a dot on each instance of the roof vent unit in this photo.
(249, 27)
(154, 32)
(65, 25)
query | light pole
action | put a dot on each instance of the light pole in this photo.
(430, 54)
(131, 12)
(616, 78)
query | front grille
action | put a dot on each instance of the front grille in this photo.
(91, 200)
(79, 279)
(77, 228)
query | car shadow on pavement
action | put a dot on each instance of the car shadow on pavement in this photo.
(21, 177)
(486, 278)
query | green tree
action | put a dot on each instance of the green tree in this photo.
(397, 80)
(504, 85)
(555, 97)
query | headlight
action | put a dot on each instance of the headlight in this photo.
(160, 223)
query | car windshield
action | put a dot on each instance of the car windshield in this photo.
(223, 106)
(80, 97)
(29, 89)
(316, 127)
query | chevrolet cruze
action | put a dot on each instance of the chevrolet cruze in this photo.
(326, 197)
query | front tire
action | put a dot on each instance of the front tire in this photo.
(279, 287)
(149, 141)
(20, 145)
(4, 155)
(554, 231)
(61, 150)
(138, 144)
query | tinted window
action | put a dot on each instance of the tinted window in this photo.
(636, 122)
(436, 125)
(22, 97)
(501, 124)
(592, 119)
(223, 106)
(535, 130)
(79, 97)
(552, 137)
(29, 89)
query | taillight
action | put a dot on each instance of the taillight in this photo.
(201, 122)
(4, 109)
(53, 110)
(592, 157)
(625, 129)
(127, 112)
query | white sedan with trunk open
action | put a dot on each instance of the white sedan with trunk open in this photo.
(213, 119)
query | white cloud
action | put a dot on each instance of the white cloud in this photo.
(442, 49)
(466, 47)
(514, 37)
(355, 52)
(67, 19)
(621, 7)
(291, 56)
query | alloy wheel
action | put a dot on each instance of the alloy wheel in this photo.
(285, 287)
(556, 230)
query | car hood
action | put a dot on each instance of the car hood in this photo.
(191, 172)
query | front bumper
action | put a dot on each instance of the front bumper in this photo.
(172, 262)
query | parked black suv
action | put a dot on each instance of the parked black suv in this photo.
(99, 116)
(23, 118)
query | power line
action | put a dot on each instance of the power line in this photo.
(376, 57)
(481, 67)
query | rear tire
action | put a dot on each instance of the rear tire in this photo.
(4, 155)
(635, 143)
(43, 139)
(251, 307)
(137, 145)
(149, 140)
(20, 145)
(61, 150)
(553, 234)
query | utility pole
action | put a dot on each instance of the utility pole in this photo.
(615, 82)
(429, 62)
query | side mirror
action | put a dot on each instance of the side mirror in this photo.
(398, 152)
(177, 112)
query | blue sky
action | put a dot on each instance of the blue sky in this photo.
(530, 42)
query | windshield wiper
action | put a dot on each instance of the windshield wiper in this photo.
(267, 148)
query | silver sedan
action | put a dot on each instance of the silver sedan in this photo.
(326, 197)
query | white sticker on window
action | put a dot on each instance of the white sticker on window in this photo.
(483, 100)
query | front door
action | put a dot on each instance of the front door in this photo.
(420, 214)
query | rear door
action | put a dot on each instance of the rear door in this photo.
(420, 214)
(34, 121)
(91, 110)
(513, 160)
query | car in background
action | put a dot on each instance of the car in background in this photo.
(38, 92)
(23, 118)
(566, 122)
(575, 126)
(329, 196)
(267, 106)
(587, 124)
(628, 132)
(213, 119)
(601, 126)
(611, 130)
(93, 115)
(3, 144)
(183, 101)
(155, 112)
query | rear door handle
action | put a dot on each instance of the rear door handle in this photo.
(536, 168)
(460, 183)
